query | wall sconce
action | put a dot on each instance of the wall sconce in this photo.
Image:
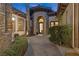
(27, 33)
(13, 18)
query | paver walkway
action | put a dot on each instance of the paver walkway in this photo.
(41, 46)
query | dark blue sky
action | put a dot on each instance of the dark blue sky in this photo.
(22, 6)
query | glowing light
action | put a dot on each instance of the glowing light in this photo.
(41, 20)
(27, 33)
(52, 24)
(13, 18)
(41, 27)
(56, 23)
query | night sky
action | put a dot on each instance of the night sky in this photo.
(22, 6)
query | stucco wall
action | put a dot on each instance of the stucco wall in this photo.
(68, 15)
(76, 25)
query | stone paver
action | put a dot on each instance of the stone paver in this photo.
(41, 46)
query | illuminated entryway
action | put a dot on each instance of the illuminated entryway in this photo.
(41, 24)
(41, 27)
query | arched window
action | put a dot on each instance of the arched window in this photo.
(41, 20)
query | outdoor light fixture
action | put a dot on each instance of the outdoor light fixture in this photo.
(13, 18)
(27, 33)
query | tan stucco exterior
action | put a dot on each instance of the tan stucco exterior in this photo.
(67, 16)
(71, 17)
(76, 24)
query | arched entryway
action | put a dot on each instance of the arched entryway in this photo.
(40, 21)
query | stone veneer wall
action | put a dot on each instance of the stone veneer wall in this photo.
(5, 41)
(2, 17)
(5, 36)
(9, 23)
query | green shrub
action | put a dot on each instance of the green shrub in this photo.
(61, 35)
(17, 48)
(53, 34)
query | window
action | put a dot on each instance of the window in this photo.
(41, 20)
(56, 23)
(51, 24)
(20, 24)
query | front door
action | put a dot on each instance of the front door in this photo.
(40, 25)
(41, 28)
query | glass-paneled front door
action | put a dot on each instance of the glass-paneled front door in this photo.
(41, 28)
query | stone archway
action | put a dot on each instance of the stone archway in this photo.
(40, 21)
(40, 24)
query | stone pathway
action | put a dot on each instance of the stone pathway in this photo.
(41, 46)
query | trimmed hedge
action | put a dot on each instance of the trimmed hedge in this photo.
(17, 48)
(61, 35)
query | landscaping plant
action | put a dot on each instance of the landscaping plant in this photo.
(61, 35)
(17, 48)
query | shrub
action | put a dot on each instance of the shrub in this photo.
(53, 34)
(17, 48)
(61, 35)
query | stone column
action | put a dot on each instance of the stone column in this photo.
(45, 28)
(28, 19)
(5, 21)
(25, 25)
(47, 25)
(16, 24)
(76, 18)
(35, 26)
